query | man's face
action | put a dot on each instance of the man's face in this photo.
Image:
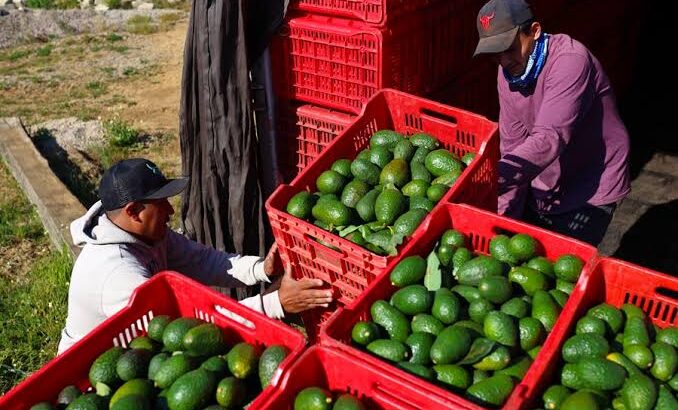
(154, 217)
(514, 59)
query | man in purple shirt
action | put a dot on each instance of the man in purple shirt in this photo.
(564, 148)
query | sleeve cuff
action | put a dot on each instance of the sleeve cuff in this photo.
(259, 273)
(272, 306)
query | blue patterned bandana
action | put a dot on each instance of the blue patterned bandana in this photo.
(535, 63)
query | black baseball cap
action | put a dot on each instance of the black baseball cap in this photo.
(498, 22)
(136, 179)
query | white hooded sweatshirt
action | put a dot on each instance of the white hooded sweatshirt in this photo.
(113, 263)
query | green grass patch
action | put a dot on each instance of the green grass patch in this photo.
(67, 4)
(108, 70)
(96, 88)
(44, 51)
(119, 49)
(40, 4)
(120, 134)
(110, 154)
(130, 71)
(113, 4)
(141, 25)
(18, 222)
(114, 37)
(32, 300)
(18, 54)
(33, 312)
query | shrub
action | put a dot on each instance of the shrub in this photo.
(121, 134)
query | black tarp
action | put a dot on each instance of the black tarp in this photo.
(223, 205)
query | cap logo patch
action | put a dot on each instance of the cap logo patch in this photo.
(485, 21)
(154, 170)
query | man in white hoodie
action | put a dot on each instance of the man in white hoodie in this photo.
(126, 241)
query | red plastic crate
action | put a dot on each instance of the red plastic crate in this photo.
(479, 227)
(341, 63)
(375, 12)
(615, 282)
(167, 293)
(352, 269)
(314, 128)
(341, 373)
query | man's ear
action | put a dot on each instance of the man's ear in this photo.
(132, 210)
(536, 30)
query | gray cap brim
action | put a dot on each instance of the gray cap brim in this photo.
(171, 188)
(497, 43)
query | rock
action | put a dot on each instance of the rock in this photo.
(71, 133)
(101, 7)
(145, 6)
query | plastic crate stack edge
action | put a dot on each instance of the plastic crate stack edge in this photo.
(313, 128)
(378, 13)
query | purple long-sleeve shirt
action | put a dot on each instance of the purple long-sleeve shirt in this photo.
(564, 145)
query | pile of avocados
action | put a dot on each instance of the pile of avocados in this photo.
(182, 364)
(472, 324)
(381, 196)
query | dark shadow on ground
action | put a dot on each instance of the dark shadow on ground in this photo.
(65, 169)
(652, 240)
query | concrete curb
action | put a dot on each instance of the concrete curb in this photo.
(56, 205)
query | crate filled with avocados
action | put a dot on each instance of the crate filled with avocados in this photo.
(466, 312)
(345, 217)
(326, 378)
(379, 198)
(186, 356)
(620, 348)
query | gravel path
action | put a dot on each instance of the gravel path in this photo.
(20, 26)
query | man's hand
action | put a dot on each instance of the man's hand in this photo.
(272, 263)
(300, 295)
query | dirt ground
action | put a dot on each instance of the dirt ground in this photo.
(101, 76)
(133, 77)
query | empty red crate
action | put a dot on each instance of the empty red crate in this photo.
(166, 293)
(376, 12)
(479, 227)
(314, 128)
(341, 63)
(615, 282)
(351, 269)
(341, 373)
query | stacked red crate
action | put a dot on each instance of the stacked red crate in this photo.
(336, 54)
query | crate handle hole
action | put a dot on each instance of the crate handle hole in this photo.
(234, 316)
(440, 116)
(318, 244)
(669, 293)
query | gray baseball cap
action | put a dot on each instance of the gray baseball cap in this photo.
(498, 22)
